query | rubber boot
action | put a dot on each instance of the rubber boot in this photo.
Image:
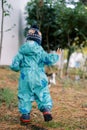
(25, 118)
(47, 116)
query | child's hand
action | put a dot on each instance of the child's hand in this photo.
(58, 51)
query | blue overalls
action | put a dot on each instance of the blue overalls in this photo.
(33, 82)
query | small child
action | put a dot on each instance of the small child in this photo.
(33, 83)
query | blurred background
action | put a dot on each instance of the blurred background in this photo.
(13, 28)
(63, 24)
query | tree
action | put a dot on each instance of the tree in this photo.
(44, 17)
(5, 11)
(72, 27)
(84, 2)
(61, 26)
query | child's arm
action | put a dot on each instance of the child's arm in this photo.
(15, 66)
(50, 58)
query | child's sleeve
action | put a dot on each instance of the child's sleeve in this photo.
(49, 58)
(16, 62)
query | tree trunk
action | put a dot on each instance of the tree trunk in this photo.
(47, 39)
(61, 63)
(68, 55)
(41, 3)
(2, 21)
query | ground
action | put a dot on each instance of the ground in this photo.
(69, 110)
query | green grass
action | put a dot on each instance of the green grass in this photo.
(53, 124)
(7, 96)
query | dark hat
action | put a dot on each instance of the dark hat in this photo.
(34, 34)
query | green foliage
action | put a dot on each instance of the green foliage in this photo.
(71, 23)
(7, 96)
(59, 24)
(6, 7)
(44, 16)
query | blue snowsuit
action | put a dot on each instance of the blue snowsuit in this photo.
(33, 82)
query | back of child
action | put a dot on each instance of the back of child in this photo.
(33, 83)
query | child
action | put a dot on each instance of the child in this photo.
(33, 82)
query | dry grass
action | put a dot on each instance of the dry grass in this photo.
(69, 110)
